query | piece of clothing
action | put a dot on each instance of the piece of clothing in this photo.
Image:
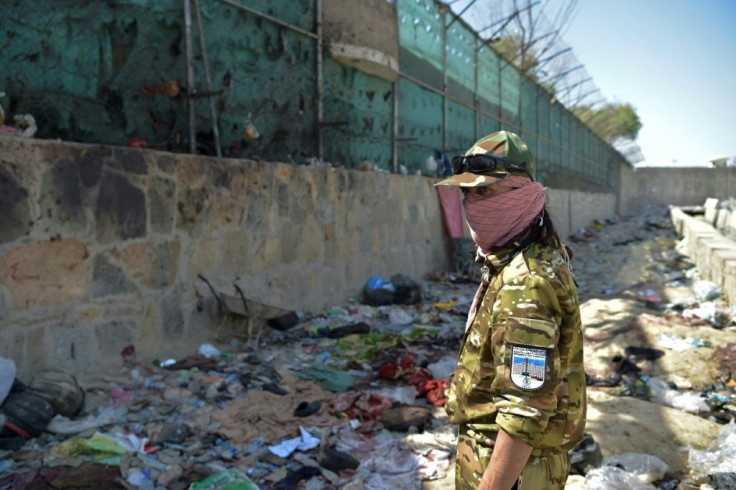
(520, 366)
(451, 202)
(496, 220)
(540, 473)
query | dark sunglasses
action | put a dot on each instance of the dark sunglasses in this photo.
(479, 164)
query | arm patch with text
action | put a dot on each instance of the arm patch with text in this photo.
(528, 367)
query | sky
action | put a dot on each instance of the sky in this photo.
(675, 62)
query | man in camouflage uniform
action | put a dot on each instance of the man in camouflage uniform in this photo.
(518, 393)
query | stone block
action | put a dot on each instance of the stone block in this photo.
(256, 216)
(109, 279)
(217, 175)
(6, 302)
(129, 160)
(166, 164)
(707, 249)
(330, 243)
(67, 191)
(12, 345)
(120, 212)
(711, 210)
(237, 258)
(34, 280)
(191, 171)
(325, 211)
(206, 256)
(729, 281)
(162, 204)
(283, 193)
(292, 243)
(193, 210)
(268, 253)
(722, 218)
(37, 348)
(310, 245)
(15, 213)
(112, 337)
(72, 349)
(149, 327)
(678, 218)
(172, 319)
(719, 260)
(226, 212)
(134, 256)
(238, 182)
(164, 264)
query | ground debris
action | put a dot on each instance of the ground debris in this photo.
(351, 396)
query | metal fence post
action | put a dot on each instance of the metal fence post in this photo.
(444, 85)
(319, 80)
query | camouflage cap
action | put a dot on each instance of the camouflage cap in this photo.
(502, 144)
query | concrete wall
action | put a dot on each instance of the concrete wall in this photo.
(675, 186)
(101, 247)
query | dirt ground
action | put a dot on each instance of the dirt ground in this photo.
(202, 417)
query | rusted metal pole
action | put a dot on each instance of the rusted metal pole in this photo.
(203, 50)
(270, 18)
(190, 76)
(319, 88)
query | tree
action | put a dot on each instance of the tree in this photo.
(612, 121)
(511, 48)
(527, 34)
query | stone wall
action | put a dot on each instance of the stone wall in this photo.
(103, 247)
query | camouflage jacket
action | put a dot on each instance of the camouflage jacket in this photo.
(520, 366)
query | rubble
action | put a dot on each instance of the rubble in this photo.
(351, 397)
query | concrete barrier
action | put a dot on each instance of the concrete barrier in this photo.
(714, 255)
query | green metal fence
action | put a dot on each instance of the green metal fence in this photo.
(481, 93)
(83, 79)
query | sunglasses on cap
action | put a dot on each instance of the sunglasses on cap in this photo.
(479, 164)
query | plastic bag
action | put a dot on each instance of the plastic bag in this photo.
(646, 467)
(706, 290)
(613, 478)
(227, 480)
(403, 394)
(719, 457)
(209, 351)
(687, 401)
(7, 375)
(379, 291)
(443, 368)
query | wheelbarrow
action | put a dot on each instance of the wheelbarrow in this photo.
(256, 314)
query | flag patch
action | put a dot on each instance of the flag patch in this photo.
(528, 366)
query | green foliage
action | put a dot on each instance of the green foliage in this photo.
(515, 51)
(612, 121)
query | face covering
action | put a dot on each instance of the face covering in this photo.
(496, 220)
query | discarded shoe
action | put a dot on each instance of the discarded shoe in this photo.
(275, 389)
(305, 409)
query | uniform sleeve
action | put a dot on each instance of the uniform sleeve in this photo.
(526, 357)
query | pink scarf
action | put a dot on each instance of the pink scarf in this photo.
(494, 221)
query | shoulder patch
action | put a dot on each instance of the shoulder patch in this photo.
(528, 367)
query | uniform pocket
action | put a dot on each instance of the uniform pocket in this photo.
(531, 331)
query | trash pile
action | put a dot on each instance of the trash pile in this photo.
(24, 125)
(352, 397)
